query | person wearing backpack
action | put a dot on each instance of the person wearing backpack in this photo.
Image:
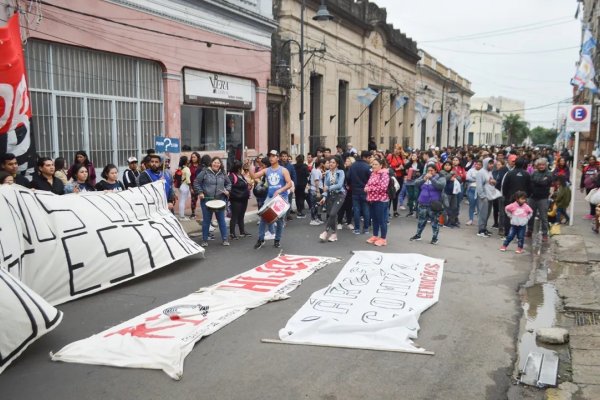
(238, 198)
(182, 181)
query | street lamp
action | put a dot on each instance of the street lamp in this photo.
(322, 16)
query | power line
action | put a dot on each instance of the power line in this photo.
(507, 53)
(206, 42)
(505, 31)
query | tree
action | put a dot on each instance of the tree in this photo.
(514, 129)
(541, 135)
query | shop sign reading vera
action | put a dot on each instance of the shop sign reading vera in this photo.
(579, 118)
(217, 90)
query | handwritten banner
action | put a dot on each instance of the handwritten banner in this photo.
(164, 336)
(375, 302)
(25, 317)
(65, 247)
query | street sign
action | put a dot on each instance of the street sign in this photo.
(579, 118)
(166, 145)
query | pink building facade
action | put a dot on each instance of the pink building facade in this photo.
(108, 77)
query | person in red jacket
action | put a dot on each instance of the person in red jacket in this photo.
(396, 163)
(589, 181)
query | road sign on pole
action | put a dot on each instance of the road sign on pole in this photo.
(579, 118)
(166, 145)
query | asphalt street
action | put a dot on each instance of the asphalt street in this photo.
(472, 330)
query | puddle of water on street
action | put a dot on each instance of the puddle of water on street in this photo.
(539, 307)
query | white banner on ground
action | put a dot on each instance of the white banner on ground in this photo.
(375, 302)
(164, 336)
(65, 247)
(24, 317)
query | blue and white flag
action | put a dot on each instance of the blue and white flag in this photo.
(400, 101)
(584, 76)
(589, 43)
(366, 96)
(421, 110)
(453, 116)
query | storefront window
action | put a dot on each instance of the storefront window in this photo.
(249, 130)
(200, 129)
(234, 130)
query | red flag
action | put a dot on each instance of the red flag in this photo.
(15, 107)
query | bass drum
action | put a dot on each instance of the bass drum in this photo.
(274, 209)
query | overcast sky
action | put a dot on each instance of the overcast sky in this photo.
(542, 37)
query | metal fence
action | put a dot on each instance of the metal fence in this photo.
(109, 105)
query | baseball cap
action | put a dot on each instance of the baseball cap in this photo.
(274, 153)
(512, 157)
(132, 160)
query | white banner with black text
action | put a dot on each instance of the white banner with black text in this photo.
(65, 247)
(24, 317)
(164, 336)
(374, 303)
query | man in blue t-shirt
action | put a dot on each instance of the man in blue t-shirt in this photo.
(279, 182)
(154, 173)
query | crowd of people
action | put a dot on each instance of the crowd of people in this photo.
(360, 191)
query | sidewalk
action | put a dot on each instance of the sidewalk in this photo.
(575, 272)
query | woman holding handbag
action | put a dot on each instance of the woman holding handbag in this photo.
(430, 202)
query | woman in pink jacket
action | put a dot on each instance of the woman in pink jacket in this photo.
(378, 199)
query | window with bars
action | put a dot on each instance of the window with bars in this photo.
(109, 105)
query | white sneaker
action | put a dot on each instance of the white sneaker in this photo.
(269, 236)
(402, 208)
(211, 228)
(469, 222)
(339, 226)
(350, 227)
(314, 222)
(323, 236)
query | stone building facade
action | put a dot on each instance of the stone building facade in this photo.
(355, 51)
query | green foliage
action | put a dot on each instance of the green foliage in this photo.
(514, 129)
(541, 135)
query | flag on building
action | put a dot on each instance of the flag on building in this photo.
(588, 44)
(421, 110)
(366, 96)
(584, 76)
(400, 101)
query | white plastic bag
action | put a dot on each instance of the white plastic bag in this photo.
(457, 189)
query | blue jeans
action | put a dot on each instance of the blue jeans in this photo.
(560, 212)
(207, 217)
(263, 226)
(472, 197)
(361, 207)
(403, 194)
(379, 213)
(519, 232)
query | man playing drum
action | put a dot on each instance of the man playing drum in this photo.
(279, 182)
